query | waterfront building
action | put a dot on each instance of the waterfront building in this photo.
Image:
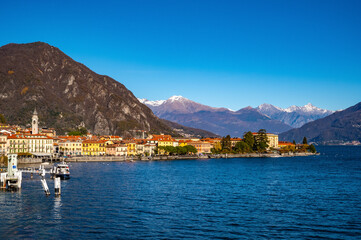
(119, 149)
(273, 140)
(140, 149)
(201, 146)
(131, 148)
(36, 144)
(163, 140)
(110, 150)
(93, 147)
(3, 144)
(70, 146)
(149, 148)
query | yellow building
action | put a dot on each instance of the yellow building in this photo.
(70, 146)
(272, 140)
(3, 145)
(93, 147)
(131, 148)
(183, 143)
(163, 140)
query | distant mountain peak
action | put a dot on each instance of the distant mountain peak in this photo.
(294, 115)
(151, 103)
(177, 98)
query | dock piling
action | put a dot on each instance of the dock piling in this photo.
(57, 186)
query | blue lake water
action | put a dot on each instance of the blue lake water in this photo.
(301, 197)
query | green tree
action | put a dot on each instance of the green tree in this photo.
(78, 132)
(249, 139)
(294, 142)
(312, 148)
(226, 144)
(242, 147)
(261, 141)
(191, 149)
(304, 141)
(2, 118)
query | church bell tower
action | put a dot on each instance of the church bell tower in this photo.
(34, 123)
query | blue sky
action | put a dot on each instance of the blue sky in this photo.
(220, 53)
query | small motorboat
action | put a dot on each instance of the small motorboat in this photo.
(60, 170)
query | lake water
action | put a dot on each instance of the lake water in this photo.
(300, 197)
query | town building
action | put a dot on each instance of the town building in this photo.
(36, 144)
(3, 144)
(272, 139)
(70, 146)
(93, 147)
(201, 146)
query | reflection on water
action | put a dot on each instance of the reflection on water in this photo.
(57, 207)
(313, 197)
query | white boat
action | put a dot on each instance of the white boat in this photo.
(60, 170)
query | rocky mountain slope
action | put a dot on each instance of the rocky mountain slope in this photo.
(67, 94)
(294, 116)
(339, 127)
(221, 121)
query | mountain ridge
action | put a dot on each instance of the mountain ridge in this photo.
(294, 116)
(221, 121)
(67, 94)
(339, 127)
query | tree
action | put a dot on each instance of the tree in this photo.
(191, 149)
(2, 118)
(294, 142)
(304, 141)
(312, 148)
(242, 147)
(249, 139)
(261, 140)
(226, 144)
(78, 132)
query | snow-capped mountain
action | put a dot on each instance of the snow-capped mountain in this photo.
(222, 121)
(177, 104)
(294, 116)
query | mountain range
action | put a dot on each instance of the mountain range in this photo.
(67, 94)
(337, 128)
(224, 121)
(294, 116)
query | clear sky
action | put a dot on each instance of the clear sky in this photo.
(220, 53)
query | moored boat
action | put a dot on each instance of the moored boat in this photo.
(60, 170)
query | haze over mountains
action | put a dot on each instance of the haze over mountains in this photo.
(224, 121)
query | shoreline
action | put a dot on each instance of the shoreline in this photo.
(189, 157)
(30, 161)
